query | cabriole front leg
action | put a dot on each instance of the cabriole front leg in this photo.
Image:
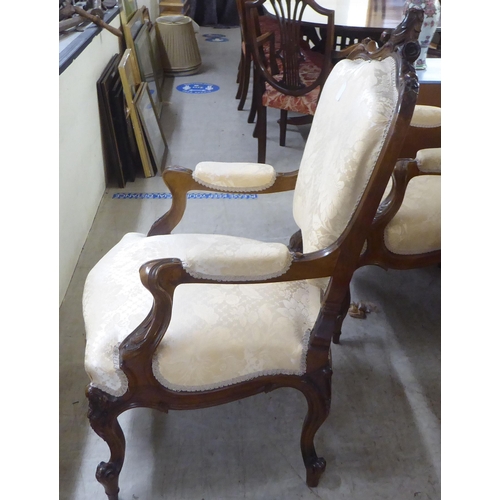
(318, 395)
(103, 420)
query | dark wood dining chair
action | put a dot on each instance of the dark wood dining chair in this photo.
(267, 24)
(288, 75)
(254, 316)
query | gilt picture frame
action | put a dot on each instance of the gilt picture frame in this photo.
(127, 10)
(132, 28)
(130, 88)
(144, 54)
(151, 125)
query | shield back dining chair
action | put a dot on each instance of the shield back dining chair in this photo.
(288, 75)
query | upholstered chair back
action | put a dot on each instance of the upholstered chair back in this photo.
(353, 117)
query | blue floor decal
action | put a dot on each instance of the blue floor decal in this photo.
(215, 37)
(197, 88)
(197, 196)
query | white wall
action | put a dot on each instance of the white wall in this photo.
(81, 164)
(152, 6)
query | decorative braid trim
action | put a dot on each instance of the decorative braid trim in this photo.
(215, 277)
(424, 126)
(118, 372)
(236, 380)
(231, 189)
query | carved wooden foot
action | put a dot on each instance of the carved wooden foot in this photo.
(107, 474)
(103, 413)
(314, 471)
(318, 399)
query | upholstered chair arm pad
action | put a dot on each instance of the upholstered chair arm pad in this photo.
(235, 177)
(429, 160)
(426, 116)
(237, 259)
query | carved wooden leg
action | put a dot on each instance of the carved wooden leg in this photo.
(318, 395)
(245, 81)
(340, 318)
(283, 122)
(103, 419)
(261, 130)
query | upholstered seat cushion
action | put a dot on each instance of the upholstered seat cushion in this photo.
(236, 176)
(218, 334)
(306, 104)
(416, 228)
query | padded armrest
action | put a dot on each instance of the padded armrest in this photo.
(429, 160)
(240, 177)
(236, 259)
(426, 116)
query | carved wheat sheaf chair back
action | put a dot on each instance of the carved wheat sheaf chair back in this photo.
(288, 74)
(184, 321)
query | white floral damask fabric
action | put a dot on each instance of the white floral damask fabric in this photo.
(354, 113)
(218, 335)
(429, 160)
(416, 227)
(237, 176)
(425, 116)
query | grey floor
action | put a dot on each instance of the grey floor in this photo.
(382, 437)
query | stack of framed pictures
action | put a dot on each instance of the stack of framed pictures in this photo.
(146, 122)
(127, 68)
(129, 95)
(121, 156)
(140, 38)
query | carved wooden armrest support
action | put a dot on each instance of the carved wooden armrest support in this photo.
(404, 171)
(162, 276)
(180, 181)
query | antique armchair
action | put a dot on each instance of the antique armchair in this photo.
(288, 75)
(182, 321)
(406, 231)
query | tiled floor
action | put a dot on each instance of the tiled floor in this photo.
(382, 437)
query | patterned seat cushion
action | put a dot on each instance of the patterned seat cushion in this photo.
(218, 334)
(306, 105)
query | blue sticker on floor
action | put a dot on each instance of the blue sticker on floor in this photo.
(197, 88)
(198, 196)
(215, 37)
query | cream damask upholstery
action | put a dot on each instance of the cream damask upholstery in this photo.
(426, 116)
(237, 176)
(219, 334)
(364, 100)
(416, 227)
(429, 160)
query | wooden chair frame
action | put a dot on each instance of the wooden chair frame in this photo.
(338, 261)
